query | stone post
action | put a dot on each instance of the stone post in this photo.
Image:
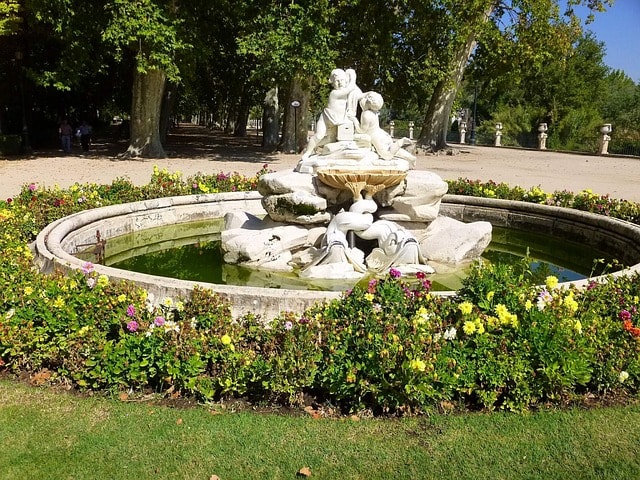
(411, 130)
(463, 130)
(605, 130)
(542, 136)
(498, 134)
(392, 126)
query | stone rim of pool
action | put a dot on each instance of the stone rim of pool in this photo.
(57, 243)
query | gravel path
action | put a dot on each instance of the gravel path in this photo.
(195, 149)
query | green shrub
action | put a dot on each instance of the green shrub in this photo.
(509, 339)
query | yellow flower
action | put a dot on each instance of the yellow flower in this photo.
(465, 308)
(578, 326)
(490, 295)
(551, 282)
(570, 303)
(418, 365)
(28, 291)
(369, 297)
(479, 326)
(469, 327)
(502, 312)
(527, 305)
(225, 339)
(103, 280)
(422, 316)
(58, 302)
(122, 298)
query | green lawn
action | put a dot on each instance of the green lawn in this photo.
(47, 435)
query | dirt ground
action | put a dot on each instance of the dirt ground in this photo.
(193, 149)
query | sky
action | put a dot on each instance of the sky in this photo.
(617, 28)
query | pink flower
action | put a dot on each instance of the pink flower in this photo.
(158, 321)
(132, 326)
(624, 315)
(394, 273)
(87, 268)
(33, 187)
(288, 325)
(131, 311)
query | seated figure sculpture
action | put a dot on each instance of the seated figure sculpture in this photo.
(385, 146)
(344, 140)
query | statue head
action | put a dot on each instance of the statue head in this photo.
(338, 78)
(371, 101)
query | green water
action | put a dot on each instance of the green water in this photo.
(192, 252)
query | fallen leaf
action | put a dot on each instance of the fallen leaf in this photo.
(305, 472)
(179, 421)
(41, 377)
(355, 418)
(313, 412)
(124, 396)
(214, 477)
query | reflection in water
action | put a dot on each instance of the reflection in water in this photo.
(199, 258)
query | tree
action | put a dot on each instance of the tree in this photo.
(292, 43)
(9, 17)
(519, 24)
(146, 28)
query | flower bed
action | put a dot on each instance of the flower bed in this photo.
(389, 346)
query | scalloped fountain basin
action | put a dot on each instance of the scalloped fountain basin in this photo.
(57, 245)
(356, 181)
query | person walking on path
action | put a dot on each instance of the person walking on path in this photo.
(85, 135)
(65, 131)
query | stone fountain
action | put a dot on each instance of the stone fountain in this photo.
(354, 205)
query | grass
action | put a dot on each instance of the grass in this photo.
(49, 435)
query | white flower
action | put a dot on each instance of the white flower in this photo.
(167, 302)
(623, 376)
(450, 334)
(170, 325)
(10, 313)
(437, 336)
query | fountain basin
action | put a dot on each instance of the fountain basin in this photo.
(57, 244)
(369, 180)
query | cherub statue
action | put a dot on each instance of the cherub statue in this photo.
(341, 108)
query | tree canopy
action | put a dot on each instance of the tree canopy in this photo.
(215, 61)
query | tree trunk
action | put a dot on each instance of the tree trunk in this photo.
(242, 119)
(436, 120)
(270, 120)
(148, 91)
(296, 119)
(168, 102)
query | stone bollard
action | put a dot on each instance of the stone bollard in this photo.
(498, 134)
(463, 131)
(605, 130)
(392, 126)
(410, 130)
(542, 136)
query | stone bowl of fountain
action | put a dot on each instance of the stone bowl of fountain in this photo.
(371, 181)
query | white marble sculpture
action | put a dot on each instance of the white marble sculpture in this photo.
(344, 140)
(359, 181)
